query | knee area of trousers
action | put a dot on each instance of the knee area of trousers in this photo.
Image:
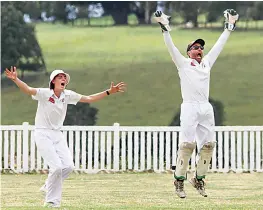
(70, 168)
(187, 146)
(57, 170)
(186, 149)
(209, 146)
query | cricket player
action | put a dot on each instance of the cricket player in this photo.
(197, 115)
(50, 115)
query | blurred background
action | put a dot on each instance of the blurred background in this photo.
(99, 42)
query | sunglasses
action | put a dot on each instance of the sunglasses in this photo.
(196, 47)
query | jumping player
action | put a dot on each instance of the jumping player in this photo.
(197, 115)
(50, 115)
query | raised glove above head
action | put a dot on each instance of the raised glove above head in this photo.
(231, 18)
(163, 20)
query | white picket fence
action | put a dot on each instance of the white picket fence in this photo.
(131, 148)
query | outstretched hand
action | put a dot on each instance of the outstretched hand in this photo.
(120, 87)
(12, 73)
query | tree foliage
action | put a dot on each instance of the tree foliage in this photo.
(81, 114)
(257, 9)
(189, 11)
(59, 11)
(19, 43)
(143, 10)
(215, 9)
(120, 10)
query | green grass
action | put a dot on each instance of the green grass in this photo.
(137, 55)
(135, 191)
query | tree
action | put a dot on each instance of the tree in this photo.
(19, 42)
(30, 7)
(119, 10)
(257, 11)
(60, 12)
(143, 10)
(189, 10)
(216, 8)
(81, 114)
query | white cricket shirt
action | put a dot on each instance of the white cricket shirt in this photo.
(51, 110)
(195, 77)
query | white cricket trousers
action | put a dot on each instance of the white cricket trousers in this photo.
(54, 149)
(197, 123)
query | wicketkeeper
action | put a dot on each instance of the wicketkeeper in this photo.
(197, 115)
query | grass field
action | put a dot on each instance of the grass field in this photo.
(137, 55)
(135, 191)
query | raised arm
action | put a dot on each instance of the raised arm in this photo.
(213, 54)
(12, 74)
(163, 21)
(120, 87)
(231, 17)
(177, 57)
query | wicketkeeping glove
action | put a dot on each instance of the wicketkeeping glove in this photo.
(163, 20)
(231, 18)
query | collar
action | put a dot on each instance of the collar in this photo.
(194, 62)
(62, 95)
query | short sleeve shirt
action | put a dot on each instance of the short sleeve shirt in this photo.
(51, 110)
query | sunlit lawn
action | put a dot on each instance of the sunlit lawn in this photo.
(135, 191)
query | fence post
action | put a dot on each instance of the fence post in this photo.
(25, 146)
(251, 151)
(1, 140)
(116, 147)
(258, 158)
(6, 149)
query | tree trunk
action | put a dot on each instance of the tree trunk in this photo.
(195, 21)
(120, 18)
(88, 21)
(193, 18)
(141, 20)
(246, 26)
(141, 17)
(22, 73)
(147, 12)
